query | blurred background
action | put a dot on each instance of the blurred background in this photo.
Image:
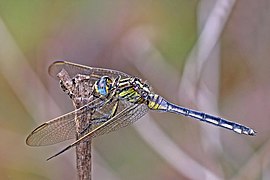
(208, 55)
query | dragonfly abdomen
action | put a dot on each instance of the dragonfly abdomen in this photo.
(156, 102)
(217, 121)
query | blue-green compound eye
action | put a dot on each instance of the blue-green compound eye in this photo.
(103, 85)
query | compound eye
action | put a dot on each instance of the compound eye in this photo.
(104, 85)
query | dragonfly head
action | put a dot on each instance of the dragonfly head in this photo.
(103, 85)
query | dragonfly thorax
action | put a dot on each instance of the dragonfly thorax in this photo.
(103, 86)
(141, 87)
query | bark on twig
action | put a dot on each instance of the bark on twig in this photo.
(78, 88)
(83, 150)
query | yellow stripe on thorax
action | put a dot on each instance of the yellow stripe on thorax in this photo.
(126, 92)
(131, 95)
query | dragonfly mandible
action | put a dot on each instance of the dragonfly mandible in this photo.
(117, 100)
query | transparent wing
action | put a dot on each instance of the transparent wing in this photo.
(54, 131)
(74, 69)
(59, 129)
(127, 116)
(107, 109)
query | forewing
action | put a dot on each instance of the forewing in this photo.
(74, 69)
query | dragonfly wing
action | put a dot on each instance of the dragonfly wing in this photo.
(127, 116)
(53, 131)
(59, 129)
(106, 111)
(74, 69)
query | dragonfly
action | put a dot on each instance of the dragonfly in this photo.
(116, 100)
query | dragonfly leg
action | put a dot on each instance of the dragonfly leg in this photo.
(95, 121)
(103, 118)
